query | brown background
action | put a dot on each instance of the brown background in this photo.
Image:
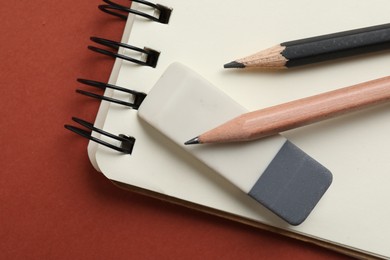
(53, 204)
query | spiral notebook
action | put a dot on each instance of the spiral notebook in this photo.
(352, 217)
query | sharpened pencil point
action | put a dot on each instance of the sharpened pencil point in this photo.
(193, 141)
(234, 65)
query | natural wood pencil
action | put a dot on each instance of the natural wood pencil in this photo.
(317, 49)
(279, 118)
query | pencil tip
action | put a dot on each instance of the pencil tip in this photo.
(234, 65)
(193, 141)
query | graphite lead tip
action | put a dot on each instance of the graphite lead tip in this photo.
(234, 65)
(193, 141)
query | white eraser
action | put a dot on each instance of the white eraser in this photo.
(272, 170)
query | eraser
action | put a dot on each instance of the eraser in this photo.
(273, 171)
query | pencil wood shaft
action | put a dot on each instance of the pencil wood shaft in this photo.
(270, 58)
(317, 49)
(279, 118)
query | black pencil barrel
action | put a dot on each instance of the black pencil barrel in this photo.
(336, 45)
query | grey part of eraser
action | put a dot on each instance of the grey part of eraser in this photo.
(292, 184)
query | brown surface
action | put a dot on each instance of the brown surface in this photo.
(53, 204)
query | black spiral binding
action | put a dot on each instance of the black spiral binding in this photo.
(162, 13)
(138, 97)
(150, 56)
(127, 143)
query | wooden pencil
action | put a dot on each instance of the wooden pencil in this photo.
(316, 49)
(279, 118)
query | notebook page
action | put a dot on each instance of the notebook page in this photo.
(205, 35)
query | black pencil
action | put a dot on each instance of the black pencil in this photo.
(317, 49)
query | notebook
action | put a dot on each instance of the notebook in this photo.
(352, 217)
